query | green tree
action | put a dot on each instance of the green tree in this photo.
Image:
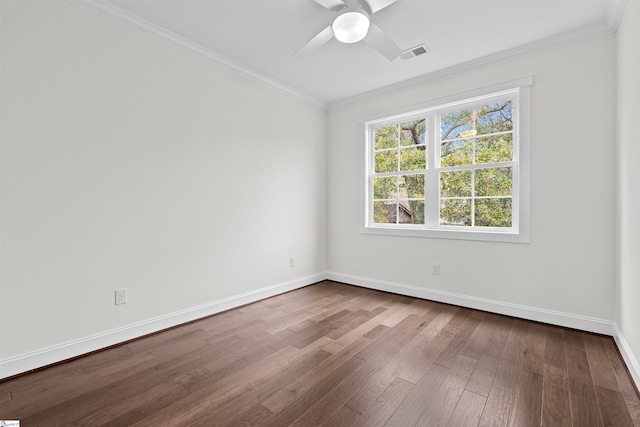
(477, 136)
(400, 148)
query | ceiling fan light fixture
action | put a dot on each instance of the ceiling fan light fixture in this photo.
(350, 27)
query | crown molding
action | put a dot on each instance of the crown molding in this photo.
(614, 14)
(114, 13)
(498, 58)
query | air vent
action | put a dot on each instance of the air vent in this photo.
(421, 49)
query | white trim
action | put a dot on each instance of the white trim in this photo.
(629, 359)
(37, 359)
(114, 13)
(613, 19)
(614, 14)
(519, 92)
(468, 96)
(584, 323)
(129, 20)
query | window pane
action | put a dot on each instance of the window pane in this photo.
(386, 137)
(455, 212)
(455, 183)
(456, 125)
(411, 212)
(494, 118)
(412, 133)
(487, 119)
(384, 212)
(493, 212)
(413, 158)
(457, 152)
(493, 182)
(412, 186)
(385, 188)
(465, 163)
(386, 161)
(493, 149)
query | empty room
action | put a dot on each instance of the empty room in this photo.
(319, 212)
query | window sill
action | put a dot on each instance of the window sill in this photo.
(510, 236)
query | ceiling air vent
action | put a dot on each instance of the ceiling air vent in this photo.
(414, 51)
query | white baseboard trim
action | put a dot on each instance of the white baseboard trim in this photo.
(584, 323)
(629, 359)
(37, 359)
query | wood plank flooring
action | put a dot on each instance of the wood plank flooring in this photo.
(337, 355)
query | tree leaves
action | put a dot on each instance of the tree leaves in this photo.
(477, 136)
(469, 194)
(400, 148)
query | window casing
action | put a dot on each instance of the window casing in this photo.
(455, 168)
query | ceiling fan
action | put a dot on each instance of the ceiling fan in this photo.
(352, 24)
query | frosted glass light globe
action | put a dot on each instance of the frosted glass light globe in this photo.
(350, 27)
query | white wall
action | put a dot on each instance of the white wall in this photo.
(628, 245)
(569, 265)
(127, 163)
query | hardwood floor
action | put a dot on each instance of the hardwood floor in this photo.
(336, 355)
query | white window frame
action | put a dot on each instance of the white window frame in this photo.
(519, 91)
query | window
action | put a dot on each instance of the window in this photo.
(454, 169)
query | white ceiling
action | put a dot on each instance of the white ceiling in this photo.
(258, 37)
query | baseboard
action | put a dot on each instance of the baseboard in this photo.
(37, 359)
(583, 323)
(629, 359)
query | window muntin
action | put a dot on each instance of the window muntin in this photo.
(448, 168)
(400, 159)
(476, 165)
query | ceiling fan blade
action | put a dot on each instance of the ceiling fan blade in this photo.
(375, 5)
(381, 42)
(321, 38)
(333, 5)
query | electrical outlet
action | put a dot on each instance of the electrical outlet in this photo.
(121, 296)
(292, 262)
(436, 269)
